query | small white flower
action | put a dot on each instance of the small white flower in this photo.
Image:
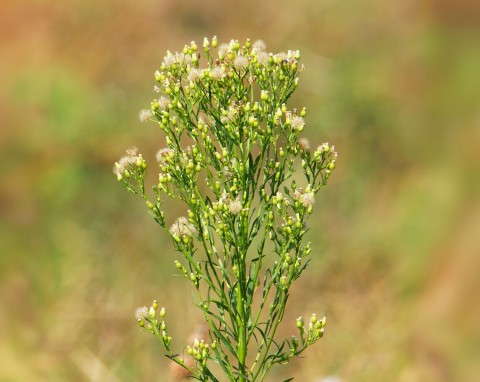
(132, 151)
(141, 313)
(259, 46)
(240, 62)
(163, 155)
(297, 123)
(235, 206)
(304, 144)
(263, 58)
(128, 160)
(280, 57)
(169, 59)
(223, 51)
(163, 103)
(194, 75)
(182, 227)
(307, 199)
(217, 73)
(144, 115)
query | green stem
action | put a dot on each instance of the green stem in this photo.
(242, 333)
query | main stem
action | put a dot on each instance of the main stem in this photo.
(242, 331)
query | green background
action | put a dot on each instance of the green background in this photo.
(395, 86)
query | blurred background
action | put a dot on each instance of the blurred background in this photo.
(396, 235)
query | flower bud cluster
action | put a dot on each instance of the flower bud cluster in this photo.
(131, 165)
(309, 335)
(200, 350)
(152, 320)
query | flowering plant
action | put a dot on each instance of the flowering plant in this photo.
(232, 147)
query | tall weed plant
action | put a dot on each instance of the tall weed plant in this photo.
(232, 146)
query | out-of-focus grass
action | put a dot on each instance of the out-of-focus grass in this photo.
(394, 86)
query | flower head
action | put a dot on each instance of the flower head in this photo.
(141, 313)
(194, 75)
(183, 228)
(304, 144)
(297, 123)
(307, 199)
(259, 46)
(223, 50)
(131, 159)
(217, 73)
(169, 60)
(240, 62)
(163, 103)
(164, 155)
(263, 58)
(235, 206)
(144, 115)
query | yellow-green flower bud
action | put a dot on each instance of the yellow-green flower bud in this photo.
(299, 323)
(151, 312)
